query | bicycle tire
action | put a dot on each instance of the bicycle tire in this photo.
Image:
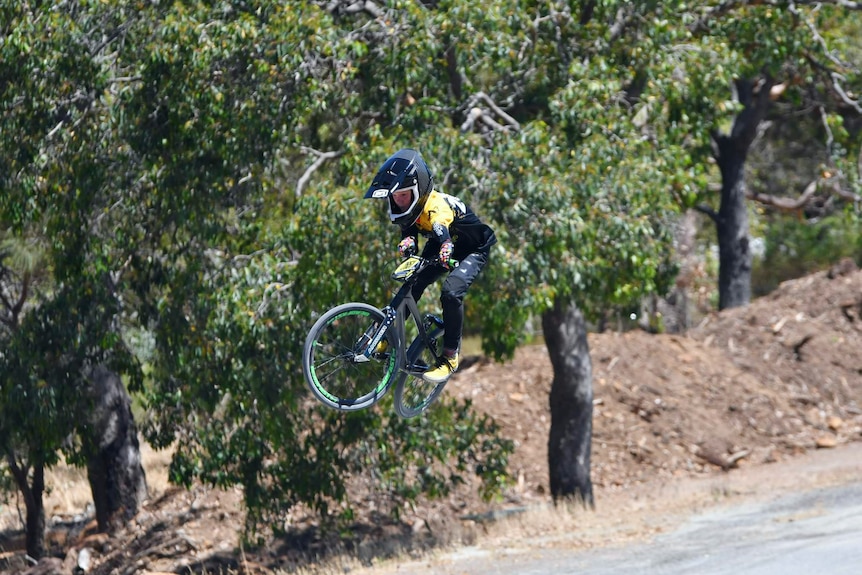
(328, 359)
(413, 395)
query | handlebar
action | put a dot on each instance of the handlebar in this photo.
(412, 265)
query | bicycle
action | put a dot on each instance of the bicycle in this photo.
(355, 353)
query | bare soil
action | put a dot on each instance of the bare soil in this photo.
(749, 388)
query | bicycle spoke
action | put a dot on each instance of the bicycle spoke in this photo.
(330, 358)
(413, 394)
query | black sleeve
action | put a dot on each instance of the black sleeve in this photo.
(411, 231)
(441, 232)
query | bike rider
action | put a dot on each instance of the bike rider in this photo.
(452, 231)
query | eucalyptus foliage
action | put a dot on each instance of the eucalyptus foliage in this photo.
(193, 171)
(150, 142)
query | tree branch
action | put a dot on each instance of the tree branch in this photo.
(842, 193)
(839, 89)
(272, 291)
(829, 137)
(25, 289)
(842, 3)
(755, 97)
(456, 80)
(719, 10)
(787, 204)
(19, 474)
(491, 122)
(357, 6)
(713, 12)
(5, 301)
(587, 12)
(790, 204)
(477, 113)
(835, 76)
(321, 157)
(704, 209)
(621, 21)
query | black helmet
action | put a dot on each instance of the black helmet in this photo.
(404, 169)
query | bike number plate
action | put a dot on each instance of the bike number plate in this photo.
(406, 268)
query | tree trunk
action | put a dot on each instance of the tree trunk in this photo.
(571, 400)
(117, 478)
(32, 493)
(731, 152)
(734, 252)
(36, 514)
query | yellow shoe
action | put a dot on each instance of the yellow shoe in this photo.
(443, 371)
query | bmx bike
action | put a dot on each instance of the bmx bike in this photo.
(355, 352)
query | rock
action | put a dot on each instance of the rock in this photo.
(834, 422)
(826, 441)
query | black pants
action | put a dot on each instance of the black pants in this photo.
(452, 293)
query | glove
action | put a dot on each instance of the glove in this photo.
(407, 247)
(446, 253)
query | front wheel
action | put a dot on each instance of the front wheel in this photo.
(413, 394)
(336, 370)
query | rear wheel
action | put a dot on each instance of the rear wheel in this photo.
(413, 394)
(336, 370)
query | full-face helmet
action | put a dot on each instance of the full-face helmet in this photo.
(405, 170)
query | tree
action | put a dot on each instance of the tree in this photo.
(773, 51)
(146, 166)
(53, 172)
(607, 82)
(514, 163)
(19, 273)
(193, 174)
(731, 220)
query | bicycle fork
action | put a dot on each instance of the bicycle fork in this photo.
(374, 336)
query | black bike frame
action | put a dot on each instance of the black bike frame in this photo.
(395, 316)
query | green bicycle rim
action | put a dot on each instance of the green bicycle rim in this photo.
(382, 385)
(377, 390)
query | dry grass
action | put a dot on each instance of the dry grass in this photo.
(68, 491)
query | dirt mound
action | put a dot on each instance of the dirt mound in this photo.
(747, 387)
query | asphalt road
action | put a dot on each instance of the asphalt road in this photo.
(819, 532)
(797, 524)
